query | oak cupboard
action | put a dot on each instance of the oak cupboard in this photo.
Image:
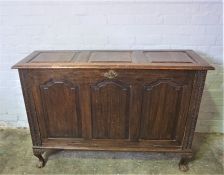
(113, 100)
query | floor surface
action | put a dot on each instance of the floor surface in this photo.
(16, 158)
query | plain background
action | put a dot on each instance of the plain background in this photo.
(163, 24)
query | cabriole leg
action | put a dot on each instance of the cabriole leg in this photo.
(38, 153)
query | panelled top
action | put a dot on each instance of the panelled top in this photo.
(136, 59)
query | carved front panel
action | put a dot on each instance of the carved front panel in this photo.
(161, 110)
(60, 101)
(110, 110)
(135, 110)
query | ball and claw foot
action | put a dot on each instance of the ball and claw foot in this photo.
(40, 164)
(38, 153)
(183, 164)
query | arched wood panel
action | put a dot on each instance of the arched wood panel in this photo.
(60, 101)
(110, 110)
(161, 106)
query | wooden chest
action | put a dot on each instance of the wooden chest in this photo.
(113, 100)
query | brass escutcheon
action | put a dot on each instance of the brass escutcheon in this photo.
(111, 74)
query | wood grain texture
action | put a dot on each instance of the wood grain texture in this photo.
(161, 109)
(132, 101)
(196, 96)
(132, 106)
(30, 109)
(136, 59)
(110, 110)
(60, 100)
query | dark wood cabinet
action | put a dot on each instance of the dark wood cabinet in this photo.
(113, 100)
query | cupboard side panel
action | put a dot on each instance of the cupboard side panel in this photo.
(30, 108)
(195, 101)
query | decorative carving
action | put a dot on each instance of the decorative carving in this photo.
(195, 105)
(38, 153)
(170, 82)
(104, 83)
(50, 83)
(30, 108)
